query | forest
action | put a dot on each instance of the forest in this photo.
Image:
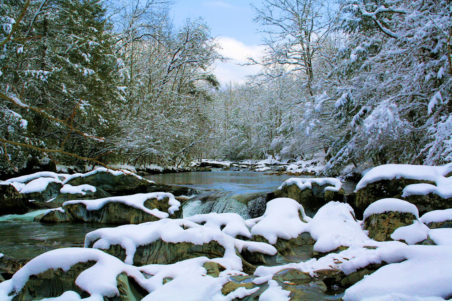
(362, 82)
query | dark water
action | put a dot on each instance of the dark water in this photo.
(236, 182)
(25, 240)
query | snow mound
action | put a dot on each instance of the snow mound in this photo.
(80, 189)
(274, 293)
(230, 223)
(390, 204)
(426, 272)
(437, 216)
(280, 220)
(130, 237)
(441, 236)
(412, 234)
(306, 183)
(435, 174)
(137, 201)
(334, 225)
(105, 271)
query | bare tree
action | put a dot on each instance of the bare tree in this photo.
(296, 30)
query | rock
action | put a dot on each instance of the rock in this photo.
(129, 289)
(161, 252)
(381, 226)
(115, 184)
(11, 201)
(301, 285)
(213, 269)
(311, 198)
(256, 207)
(42, 200)
(9, 266)
(113, 211)
(231, 286)
(53, 283)
(296, 249)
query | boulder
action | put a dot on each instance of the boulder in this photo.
(311, 193)
(114, 183)
(11, 201)
(134, 209)
(293, 250)
(9, 265)
(161, 252)
(75, 273)
(427, 187)
(381, 226)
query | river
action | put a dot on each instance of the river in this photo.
(22, 238)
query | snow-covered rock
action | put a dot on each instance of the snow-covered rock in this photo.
(132, 209)
(428, 187)
(384, 216)
(312, 193)
(79, 270)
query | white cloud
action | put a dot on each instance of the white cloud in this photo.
(236, 53)
(219, 3)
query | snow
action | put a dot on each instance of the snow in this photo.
(435, 174)
(174, 231)
(412, 234)
(230, 223)
(37, 182)
(274, 293)
(437, 216)
(334, 225)
(105, 271)
(390, 204)
(80, 189)
(306, 183)
(402, 297)
(37, 185)
(426, 272)
(441, 236)
(280, 220)
(136, 200)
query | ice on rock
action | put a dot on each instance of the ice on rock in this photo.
(390, 204)
(280, 220)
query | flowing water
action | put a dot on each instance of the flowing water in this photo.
(22, 238)
(223, 191)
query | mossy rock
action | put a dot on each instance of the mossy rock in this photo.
(312, 199)
(296, 249)
(161, 252)
(40, 200)
(53, 217)
(429, 202)
(9, 266)
(437, 225)
(122, 184)
(382, 225)
(231, 286)
(213, 269)
(129, 289)
(53, 283)
(11, 201)
(390, 189)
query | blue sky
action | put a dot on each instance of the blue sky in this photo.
(231, 22)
